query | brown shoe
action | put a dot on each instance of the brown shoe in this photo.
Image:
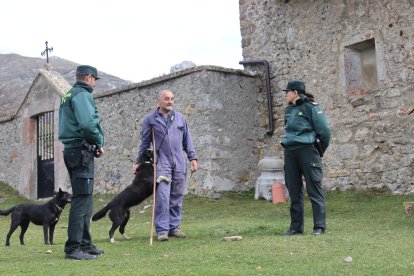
(162, 237)
(177, 234)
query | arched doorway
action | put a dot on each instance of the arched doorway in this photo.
(45, 155)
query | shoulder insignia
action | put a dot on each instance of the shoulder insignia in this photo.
(65, 97)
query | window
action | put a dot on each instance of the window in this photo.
(360, 68)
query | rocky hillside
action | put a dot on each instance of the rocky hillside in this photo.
(18, 72)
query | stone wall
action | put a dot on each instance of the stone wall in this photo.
(11, 152)
(221, 106)
(357, 58)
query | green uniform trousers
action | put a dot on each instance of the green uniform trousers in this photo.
(305, 161)
(80, 165)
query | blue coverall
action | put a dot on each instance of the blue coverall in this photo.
(172, 139)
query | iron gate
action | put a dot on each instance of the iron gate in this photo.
(45, 164)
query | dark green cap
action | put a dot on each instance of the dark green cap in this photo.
(295, 85)
(87, 70)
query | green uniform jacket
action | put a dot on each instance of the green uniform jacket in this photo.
(304, 121)
(78, 118)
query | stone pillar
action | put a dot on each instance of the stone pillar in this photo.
(271, 171)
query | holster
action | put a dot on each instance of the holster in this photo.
(318, 146)
(94, 149)
(86, 158)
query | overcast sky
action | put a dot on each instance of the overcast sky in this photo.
(132, 39)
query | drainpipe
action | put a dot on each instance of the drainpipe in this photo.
(268, 91)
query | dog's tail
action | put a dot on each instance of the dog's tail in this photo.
(6, 212)
(101, 213)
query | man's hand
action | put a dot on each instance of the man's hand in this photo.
(135, 168)
(193, 165)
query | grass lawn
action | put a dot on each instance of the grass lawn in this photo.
(369, 227)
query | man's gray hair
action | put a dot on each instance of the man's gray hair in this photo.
(162, 91)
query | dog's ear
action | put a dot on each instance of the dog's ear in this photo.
(60, 191)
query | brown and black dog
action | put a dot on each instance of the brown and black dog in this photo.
(44, 214)
(142, 187)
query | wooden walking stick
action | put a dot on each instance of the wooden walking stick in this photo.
(155, 185)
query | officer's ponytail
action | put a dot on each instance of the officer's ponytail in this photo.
(310, 97)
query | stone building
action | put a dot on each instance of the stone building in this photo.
(220, 104)
(357, 58)
(28, 141)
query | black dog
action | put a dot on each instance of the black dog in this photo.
(142, 187)
(46, 214)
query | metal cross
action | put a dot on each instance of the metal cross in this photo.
(47, 51)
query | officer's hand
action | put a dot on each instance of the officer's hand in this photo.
(101, 152)
(135, 168)
(193, 165)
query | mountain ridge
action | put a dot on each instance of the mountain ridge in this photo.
(17, 74)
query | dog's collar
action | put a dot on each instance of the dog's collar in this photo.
(58, 207)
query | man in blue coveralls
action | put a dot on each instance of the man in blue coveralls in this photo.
(172, 137)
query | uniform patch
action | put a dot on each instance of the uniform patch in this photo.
(65, 97)
(320, 112)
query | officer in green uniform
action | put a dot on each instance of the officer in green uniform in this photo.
(83, 139)
(306, 138)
